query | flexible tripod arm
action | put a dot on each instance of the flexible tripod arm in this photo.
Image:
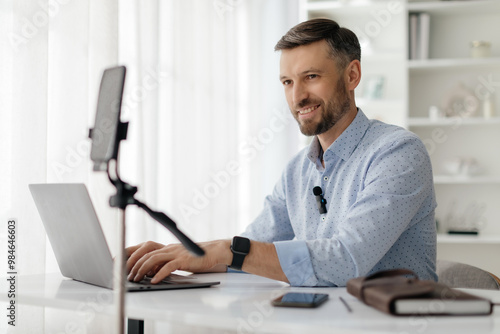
(172, 227)
(125, 196)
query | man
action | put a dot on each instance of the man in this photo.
(376, 197)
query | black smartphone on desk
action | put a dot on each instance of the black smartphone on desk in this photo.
(300, 299)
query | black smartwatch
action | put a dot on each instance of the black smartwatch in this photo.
(240, 248)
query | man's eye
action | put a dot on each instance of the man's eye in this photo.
(286, 82)
(312, 76)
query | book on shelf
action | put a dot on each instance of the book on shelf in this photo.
(419, 32)
(400, 292)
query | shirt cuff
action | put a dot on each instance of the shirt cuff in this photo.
(296, 262)
(231, 270)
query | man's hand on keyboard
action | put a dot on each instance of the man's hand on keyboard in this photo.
(155, 259)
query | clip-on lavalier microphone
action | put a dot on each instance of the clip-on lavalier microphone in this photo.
(320, 200)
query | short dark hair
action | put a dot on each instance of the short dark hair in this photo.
(343, 43)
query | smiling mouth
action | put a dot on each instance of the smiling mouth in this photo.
(308, 110)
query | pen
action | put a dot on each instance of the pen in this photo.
(346, 305)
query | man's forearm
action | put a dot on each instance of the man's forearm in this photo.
(263, 261)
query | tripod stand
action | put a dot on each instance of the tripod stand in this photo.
(106, 136)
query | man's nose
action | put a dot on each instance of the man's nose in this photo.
(299, 93)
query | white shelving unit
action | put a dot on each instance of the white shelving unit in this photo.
(451, 121)
(411, 87)
(469, 239)
(447, 179)
(474, 7)
(452, 64)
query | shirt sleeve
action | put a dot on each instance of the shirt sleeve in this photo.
(295, 262)
(397, 194)
(273, 223)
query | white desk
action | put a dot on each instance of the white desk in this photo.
(241, 305)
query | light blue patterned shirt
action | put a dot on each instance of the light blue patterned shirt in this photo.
(378, 184)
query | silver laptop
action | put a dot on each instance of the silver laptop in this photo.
(78, 241)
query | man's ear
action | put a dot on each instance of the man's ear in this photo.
(353, 74)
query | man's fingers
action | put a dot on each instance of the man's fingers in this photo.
(135, 253)
(131, 249)
(134, 257)
(152, 258)
(165, 271)
(153, 271)
(149, 262)
(135, 267)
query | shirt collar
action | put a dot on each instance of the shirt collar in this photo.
(314, 152)
(344, 145)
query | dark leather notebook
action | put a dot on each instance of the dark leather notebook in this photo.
(400, 292)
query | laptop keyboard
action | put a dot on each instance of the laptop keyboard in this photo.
(172, 279)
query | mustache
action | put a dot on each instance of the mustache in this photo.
(304, 103)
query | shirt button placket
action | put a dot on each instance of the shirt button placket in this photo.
(323, 215)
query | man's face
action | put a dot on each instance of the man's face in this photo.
(315, 90)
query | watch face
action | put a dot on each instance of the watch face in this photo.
(241, 244)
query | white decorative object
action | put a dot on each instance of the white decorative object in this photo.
(480, 49)
(460, 102)
(434, 113)
(463, 167)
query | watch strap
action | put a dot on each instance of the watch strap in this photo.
(237, 261)
(240, 247)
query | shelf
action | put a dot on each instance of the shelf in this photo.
(454, 179)
(452, 121)
(467, 239)
(455, 7)
(452, 63)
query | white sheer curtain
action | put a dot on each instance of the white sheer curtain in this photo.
(209, 128)
(52, 56)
